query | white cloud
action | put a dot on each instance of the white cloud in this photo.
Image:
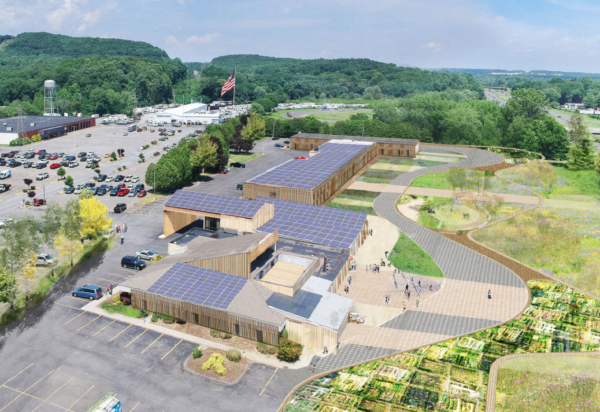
(68, 9)
(434, 46)
(207, 38)
(171, 40)
(92, 18)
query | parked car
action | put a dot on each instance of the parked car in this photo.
(110, 179)
(125, 134)
(81, 154)
(88, 135)
(54, 165)
(13, 163)
(53, 157)
(73, 164)
(132, 193)
(133, 262)
(135, 179)
(120, 207)
(139, 186)
(40, 165)
(83, 159)
(39, 202)
(42, 176)
(286, 141)
(122, 191)
(240, 186)
(275, 138)
(88, 292)
(101, 191)
(238, 164)
(278, 145)
(141, 193)
(69, 190)
(64, 164)
(44, 260)
(114, 193)
(127, 178)
(151, 130)
(79, 189)
(119, 178)
(101, 178)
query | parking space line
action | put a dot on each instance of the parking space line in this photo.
(78, 399)
(172, 349)
(134, 339)
(33, 397)
(53, 393)
(25, 391)
(104, 328)
(18, 374)
(120, 333)
(67, 306)
(269, 381)
(128, 271)
(82, 313)
(99, 316)
(109, 280)
(77, 299)
(148, 347)
(114, 274)
(134, 407)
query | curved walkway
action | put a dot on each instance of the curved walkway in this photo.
(460, 307)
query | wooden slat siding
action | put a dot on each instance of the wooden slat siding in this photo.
(264, 245)
(305, 144)
(238, 265)
(291, 290)
(191, 212)
(236, 223)
(254, 190)
(317, 264)
(313, 337)
(209, 317)
(282, 289)
(173, 221)
(389, 149)
(264, 214)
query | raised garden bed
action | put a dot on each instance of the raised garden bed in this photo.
(234, 369)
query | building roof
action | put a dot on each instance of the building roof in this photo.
(204, 202)
(41, 122)
(187, 109)
(318, 224)
(412, 142)
(310, 173)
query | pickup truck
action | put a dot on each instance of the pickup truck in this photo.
(4, 188)
(5, 174)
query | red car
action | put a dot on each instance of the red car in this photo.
(301, 157)
(222, 171)
(141, 193)
(53, 157)
(122, 191)
(39, 151)
(9, 155)
(39, 202)
(54, 165)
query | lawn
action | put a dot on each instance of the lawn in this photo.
(356, 201)
(407, 256)
(549, 383)
(242, 157)
(122, 309)
(570, 323)
(339, 115)
(387, 169)
(432, 181)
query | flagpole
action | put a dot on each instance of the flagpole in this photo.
(234, 82)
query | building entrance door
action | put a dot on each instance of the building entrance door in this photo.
(212, 223)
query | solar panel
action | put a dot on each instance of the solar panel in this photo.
(309, 173)
(205, 202)
(318, 224)
(199, 285)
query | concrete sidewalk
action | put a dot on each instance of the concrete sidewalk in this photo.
(95, 307)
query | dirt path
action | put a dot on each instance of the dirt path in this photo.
(411, 209)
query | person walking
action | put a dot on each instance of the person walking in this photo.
(409, 294)
(489, 294)
(367, 268)
(122, 238)
(430, 288)
(417, 303)
(109, 289)
(419, 283)
(406, 290)
(325, 350)
(124, 228)
(404, 306)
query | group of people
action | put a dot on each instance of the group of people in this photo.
(372, 268)
(122, 228)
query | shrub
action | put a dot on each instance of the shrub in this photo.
(284, 333)
(31, 193)
(215, 333)
(119, 169)
(154, 142)
(233, 355)
(143, 313)
(197, 353)
(167, 319)
(215, 361)
(124, 167)
(19, 142)
(113, 156)
(156, 153)
(266, 349)
(24, 190)
(28, 203)
(154, 317)
(289, 351)
(116, 301)
(95, 177)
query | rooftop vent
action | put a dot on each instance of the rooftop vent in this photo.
(9, 129)
(32, 124)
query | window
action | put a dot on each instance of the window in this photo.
(407, 153)
(144, 304)
(259, 336)
(196, 320)
(236, 329)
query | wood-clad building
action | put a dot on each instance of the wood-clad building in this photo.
(385, 146)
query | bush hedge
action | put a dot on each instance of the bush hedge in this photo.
(197, 353)
(19, 142)
(218, 334)
(289, 351)
(266, 349)
(215, 361)
(233, 355)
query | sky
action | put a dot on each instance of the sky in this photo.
(483, 34)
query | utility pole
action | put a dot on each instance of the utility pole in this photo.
(21, 123)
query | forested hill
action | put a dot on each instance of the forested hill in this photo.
(56, 45)
(337, 78)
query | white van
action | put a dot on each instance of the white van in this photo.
(5, 174)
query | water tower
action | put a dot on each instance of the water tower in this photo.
(50, 99)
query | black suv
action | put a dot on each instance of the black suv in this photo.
(102, 178)
(120, 207)
(133, 262)
(119, 178)
(139, 186)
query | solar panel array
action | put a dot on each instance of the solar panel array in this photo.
(205, 202)
(307, 174)
(199, 285)
(318, 224)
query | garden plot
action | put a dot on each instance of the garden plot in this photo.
(387, 169)
(471, 344)
(356, 201)
(348, 382)
(391, 373)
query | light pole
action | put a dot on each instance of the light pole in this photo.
(155, 169)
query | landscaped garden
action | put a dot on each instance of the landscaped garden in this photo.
(453, 375)
(225, 366)
(356, 201)
(549, 383)
(387, 169)
(409, 257)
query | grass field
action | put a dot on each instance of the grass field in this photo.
(242, 157)
(432, 181)
(339, 115)
(407, 256)
(356, 201)
(549, 383)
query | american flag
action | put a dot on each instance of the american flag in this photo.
(229, 84)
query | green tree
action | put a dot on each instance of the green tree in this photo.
(94, 217)
(18, 242)
(205, 154)
(529, 103)
(61, 172)
(52, 218)
(71, 226)
(578, 135)
(167, 176)
(113, 156)
(254, 129)
(582, 155)
(8, 282)
(69, 181)
(257, 108)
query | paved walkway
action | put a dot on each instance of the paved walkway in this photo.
(421, 191)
